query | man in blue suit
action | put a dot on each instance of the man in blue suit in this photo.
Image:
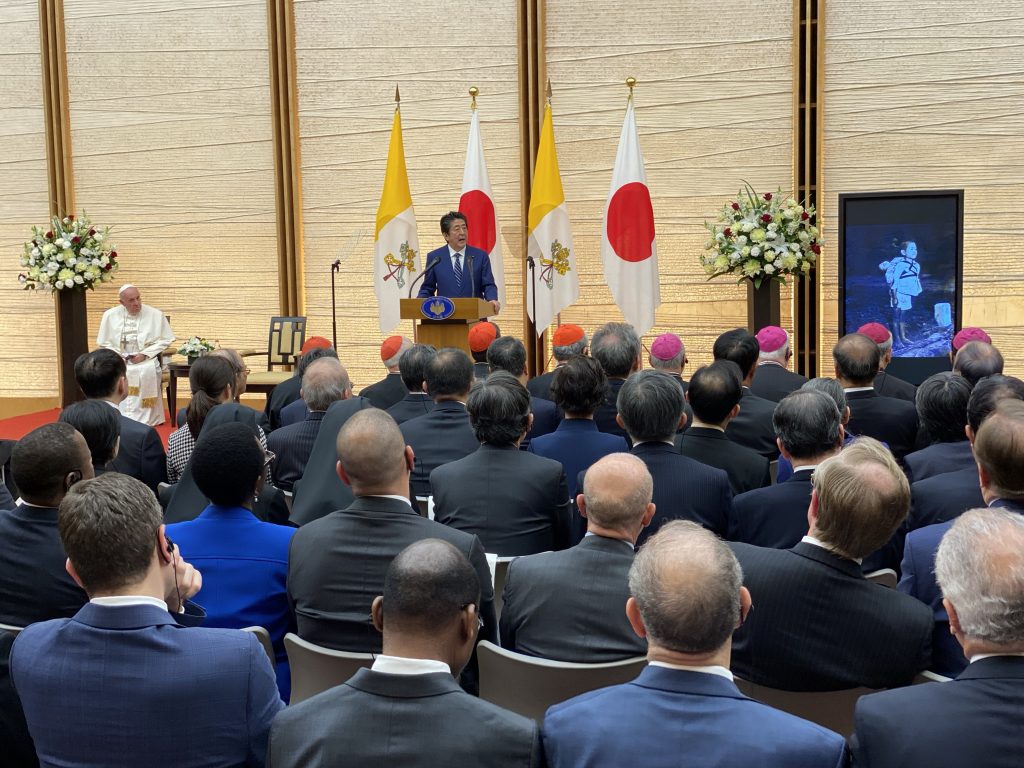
(122, 678)
(458, 269)
(684, 709)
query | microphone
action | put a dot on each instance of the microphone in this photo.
(472, 280)
(336, 266)
(433, 263)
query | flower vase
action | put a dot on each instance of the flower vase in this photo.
(192, 359)
(762, 304)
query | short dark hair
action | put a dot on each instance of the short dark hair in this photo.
(413, 365)
(579, 386)
(650, 404)
(426, 586)
(507, 353)
(740, 346)
(976, 360)
(941, 402)
(450, 218)
(616, 347)
(857, 358)
(98, 372)
(807, 423)
(226, 463)
(109, 530)
(450, 372)
(499, 409)
(99, 424)
(714, 390)
(985, 395)
(314, 354)
(207, 378)
(43, 458)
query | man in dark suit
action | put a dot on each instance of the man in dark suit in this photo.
(752, 426)
(942, 415)
(773, 380)
(408, 709)
(458, 269)
(976, 360)
(285, 405)
(809, 432)
(616, 347)
(102, 375)
(324, 382)
(684, 708)
(389, 390)
(444, 434)
(885, 384)
(515, 501)
(650, 408)
(412, 368)
(509, 354)
(888, 419)
(714, 394)
(999, 449)
(546, 613)
(88, 683)
(479, 338)
(976, 719)
(567, 341)
(819, 624)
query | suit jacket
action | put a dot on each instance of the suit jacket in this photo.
(943, 497)
(546, 417)
(88, 685)
(293, 413)
(540, 385)
(386, 392)
(402, 720)
(887, 385)
(516, 502)
(293, 445)
(411, 406)
(686, 489)
(19, 752)
(819, 625)
(753, 427)
(141, 453)
(939, 459)
(971, 721)
(571, 605)
(888, 419)
(441, 436)
(605, 414)
(684, 719)
(747, 469)
(773, 382)
(440, 279)
(775, 516)
(481, 371)
(283, 394)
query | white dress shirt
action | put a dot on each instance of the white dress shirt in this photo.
(714, 669)
(399, 665)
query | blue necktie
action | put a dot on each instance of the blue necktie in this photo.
(458, 271)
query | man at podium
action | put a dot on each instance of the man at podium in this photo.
(459, 270)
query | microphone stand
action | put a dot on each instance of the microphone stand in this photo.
(532, 265)
(433, 263)
(472, 280)
(335, 268)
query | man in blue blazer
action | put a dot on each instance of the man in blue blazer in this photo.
(684, 710)
(459, 270)
(122, 678)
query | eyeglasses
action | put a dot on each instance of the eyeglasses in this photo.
(479, 620)
(268, 458)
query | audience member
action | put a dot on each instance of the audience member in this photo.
(942, 415)
(509, 354)
(286, 393)
(684, 708)
(407, 709)
(516, 502)
(819, 624)
(650, 407)
(772, 379)
(668, 355)
(976, 721)
(752, 426)
(888, 419)
(212, 381)
(547, 611)
(101, 375)
(616, 347)
(976, 360)
(714, 394)
(567, 341)
(832, 388)
(389, 390)
(242, 372)
(965, 335)
(100, 425)
(444, 434)
(244, 561)
(885, 384)
(480, 337)
(808, 429)
(88, 684)
(412, 367)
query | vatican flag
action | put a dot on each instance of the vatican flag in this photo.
(552, 283)
(396, 248)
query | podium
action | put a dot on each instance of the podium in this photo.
(453, 330)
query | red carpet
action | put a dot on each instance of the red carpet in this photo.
(17, 426)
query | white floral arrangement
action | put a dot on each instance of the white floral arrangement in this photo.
(762, 237)
(71, 254)
(196, 346)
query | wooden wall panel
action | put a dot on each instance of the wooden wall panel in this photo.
(714, 106)
(348, 66)
(925, 94)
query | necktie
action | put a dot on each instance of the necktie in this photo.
(458, 271)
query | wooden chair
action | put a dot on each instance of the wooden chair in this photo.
(830, 709)
(884, 576)
(284, 347)
(315, 669)
(264, 637)
(529, 686)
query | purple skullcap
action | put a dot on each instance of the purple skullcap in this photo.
(666, 346)
(970, 334)
(772, 338)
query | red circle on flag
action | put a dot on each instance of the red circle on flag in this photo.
(630, 225)
(479, 211)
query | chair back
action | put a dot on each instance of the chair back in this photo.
(884, 576)
(500, 574)
(264, 637)
(10, 628)
(529, 686)
(284, 345)
(315, 669)
(829, 709)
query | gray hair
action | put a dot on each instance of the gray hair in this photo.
(617, 489)
(686, 583)
(807, 423)
(396, 358)
(563, 353)
(650, 404)
(830, 387)
(324, 382)
(777, 354)
(980, 567)
(616, 347)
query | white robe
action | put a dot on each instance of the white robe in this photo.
(154, 336)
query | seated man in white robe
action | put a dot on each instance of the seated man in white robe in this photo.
(139, 333)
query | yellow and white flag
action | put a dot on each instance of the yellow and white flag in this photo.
(553, 280)
(396, 247)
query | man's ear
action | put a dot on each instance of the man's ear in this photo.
(410, 458)
(620, 422)
(746, 603)
(377, 613)
(648, 514)
(581, 505)
(302, 395)
(70, 568)
(636, 621)
(423, 386)
(812, 511)
(954, 620)
(341, 474)
(970, 434)
(683, 418)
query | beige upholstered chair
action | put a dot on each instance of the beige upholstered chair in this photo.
(315, 669)
(831, 709)
(264, 637)
(884, 576)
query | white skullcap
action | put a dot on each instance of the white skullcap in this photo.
(124, 288)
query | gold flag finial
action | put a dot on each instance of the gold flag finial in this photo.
(547, 91)
(631, 83)
(473, 92)
(398, 98)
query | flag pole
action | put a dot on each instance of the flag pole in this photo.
(473, 92)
